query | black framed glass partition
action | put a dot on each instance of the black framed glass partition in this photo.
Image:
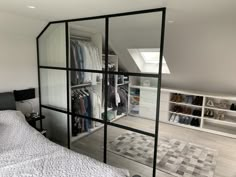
(92, 73)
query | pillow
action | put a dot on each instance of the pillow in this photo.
(7, 101)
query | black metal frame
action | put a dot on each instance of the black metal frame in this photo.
(106, 73)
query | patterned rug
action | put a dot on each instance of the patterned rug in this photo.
(175, 157)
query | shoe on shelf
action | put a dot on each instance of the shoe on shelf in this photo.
(232, 107)
(207, 113)
(197, 113)
(210, 103)
(181, 119)
(220, 115)
(174, 97)
(197, 101)
(200, 101)
(192, 122)
(176, 119)
(179, 98)
(223, 105)
(195, 122)
(189, 120)
(172, 118)
(198, 123)
(190, 100)
(211, 113)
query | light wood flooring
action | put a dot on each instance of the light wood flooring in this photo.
(92, 146)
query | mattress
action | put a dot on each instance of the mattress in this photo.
(24, 152)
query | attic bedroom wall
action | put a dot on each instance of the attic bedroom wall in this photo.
(18, 61)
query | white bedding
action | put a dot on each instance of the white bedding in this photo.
(24, 152)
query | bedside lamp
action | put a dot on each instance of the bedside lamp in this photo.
(24, 96)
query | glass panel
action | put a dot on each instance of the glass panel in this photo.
(87, 97)
(53, 88)
(52, 46)
(87, 140)
(136, 42)
(132, 101)
(130, 150)
(56, 125)
(87, 44)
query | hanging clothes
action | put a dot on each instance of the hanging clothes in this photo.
(85, 55)
(81, 105)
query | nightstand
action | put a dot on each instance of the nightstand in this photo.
(32, 121)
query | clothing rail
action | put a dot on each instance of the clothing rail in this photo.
(81, 85)
(84, 38)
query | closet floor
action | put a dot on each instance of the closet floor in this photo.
(92, 146)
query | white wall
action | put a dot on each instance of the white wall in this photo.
(18, 64)
(18, 61)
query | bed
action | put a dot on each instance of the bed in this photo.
(24, 152)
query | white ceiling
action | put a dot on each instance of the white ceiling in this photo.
(199, 47)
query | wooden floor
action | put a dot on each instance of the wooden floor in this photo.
(92, 146)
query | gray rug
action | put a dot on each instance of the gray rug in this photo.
(175, 157)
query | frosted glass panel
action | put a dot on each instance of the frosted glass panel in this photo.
(52, 46)
(53, 88)
(56, 125)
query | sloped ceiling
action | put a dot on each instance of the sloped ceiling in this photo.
(199, 45)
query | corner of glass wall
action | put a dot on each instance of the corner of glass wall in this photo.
(52, 46)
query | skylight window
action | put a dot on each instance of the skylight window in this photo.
(148, 60)
(152, 57)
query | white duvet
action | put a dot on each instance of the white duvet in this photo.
(24, 152)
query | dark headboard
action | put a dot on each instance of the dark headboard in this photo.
(7, 101)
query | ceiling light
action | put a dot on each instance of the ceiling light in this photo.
(31, 7)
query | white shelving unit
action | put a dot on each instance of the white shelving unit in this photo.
(226, 127)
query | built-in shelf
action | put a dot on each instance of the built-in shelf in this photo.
(81, 85)
(185, 104)
(187, 115)
(220, 109)
(184, 125)
(123, 83)
(216, 128)
(108, 109)
(222, 122)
